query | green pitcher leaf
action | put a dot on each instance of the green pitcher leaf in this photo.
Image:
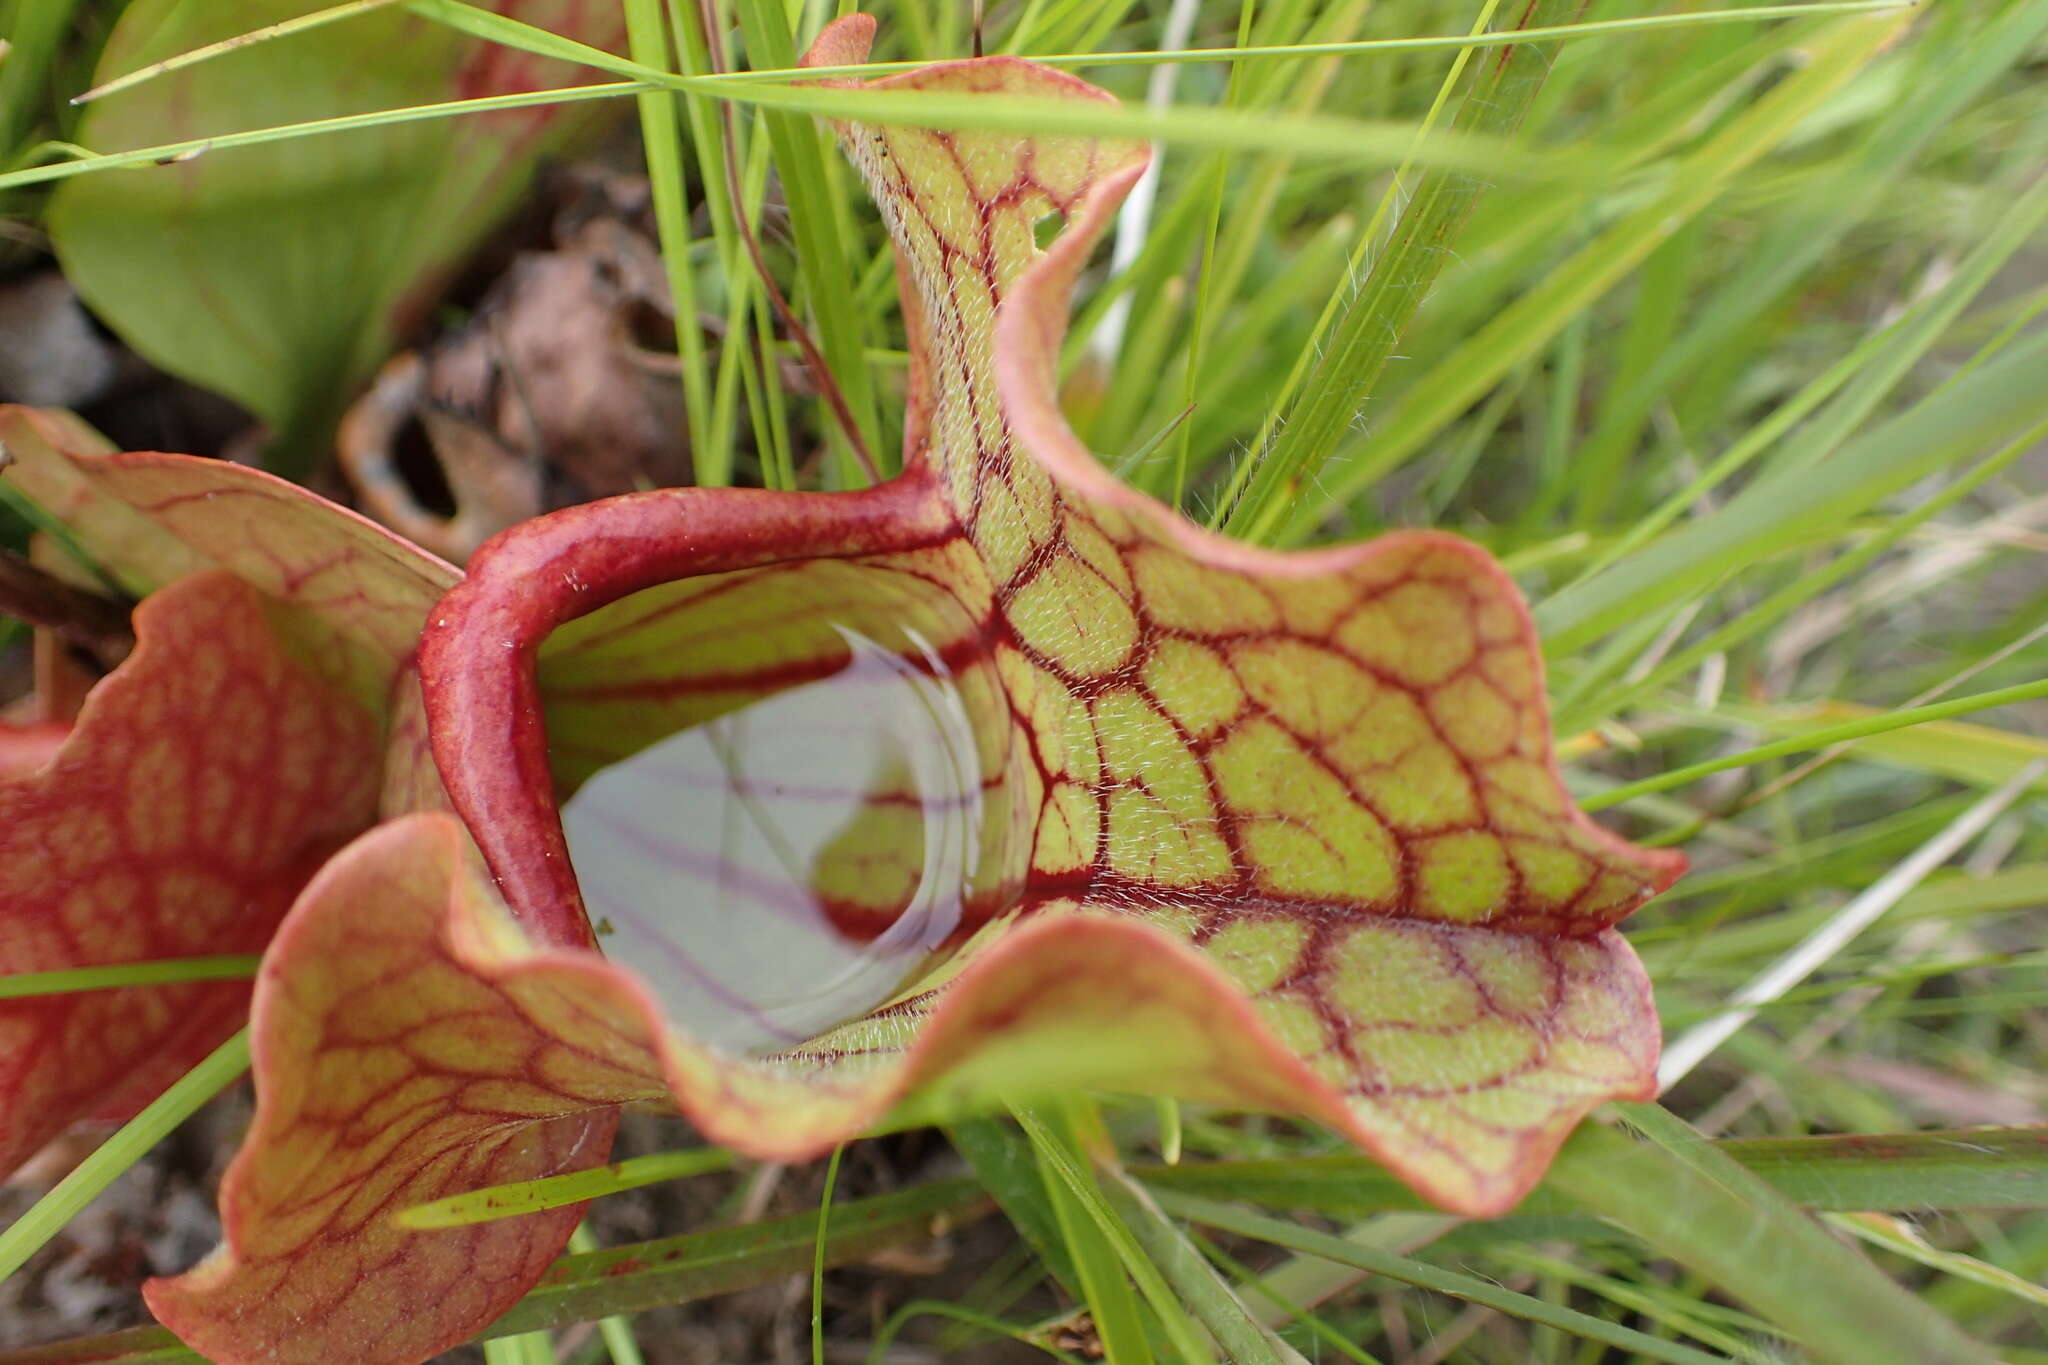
(816, 755)
(204, 780)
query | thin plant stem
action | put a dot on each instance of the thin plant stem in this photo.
(90, 1178)
(1698, 1042)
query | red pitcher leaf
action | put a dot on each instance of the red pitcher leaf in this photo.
(204, 781)
(149, 519)
(395, 1064)
(283, 275)
(353, 577)
(25, 748)
(829, 757)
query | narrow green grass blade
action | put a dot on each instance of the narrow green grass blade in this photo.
(1087, 1234)
(1695, 1204)
(269, 33)
(558, 1191)
(1890, 1234)
(528, 1348)
(1994, 403)
(1980, 755)
(643, 1275)
(117, 975)
(806, 164)
(1339, 368)
(1532, 321)
(698, 1265)
(1820, 738)
(1959, 66)
(617, 1332)
(1471, 1288)
(1341, 141)
(1337, 140)
(1988, 1168)
(818, 1257)
(168, 152)
(22, 1238)
(661, 139)
(1003, 1162)
(1214, 1303)
(1643, 24)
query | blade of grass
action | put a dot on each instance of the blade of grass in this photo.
(1997, 401)
(1472, 1289)
(639, 1276)
(1343, 140)
(117, 975)
(1801, 240)
(1893, 1235)
(1981, 755)
(1643, 24)
(818, 1257)
(1244, 1340)
(1693, 1046)
(1820, 739)
(1338, 367)
(1700, 1207)
(559, 1191)
(1338, 140)
(617, 1332)
(1532, 321)
(22, 1238)
(1902, 1172)
(1089, 1233)
(171, 152)
(647, 39)
(283, 29)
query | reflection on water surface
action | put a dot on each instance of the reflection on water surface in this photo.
(777, 866)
